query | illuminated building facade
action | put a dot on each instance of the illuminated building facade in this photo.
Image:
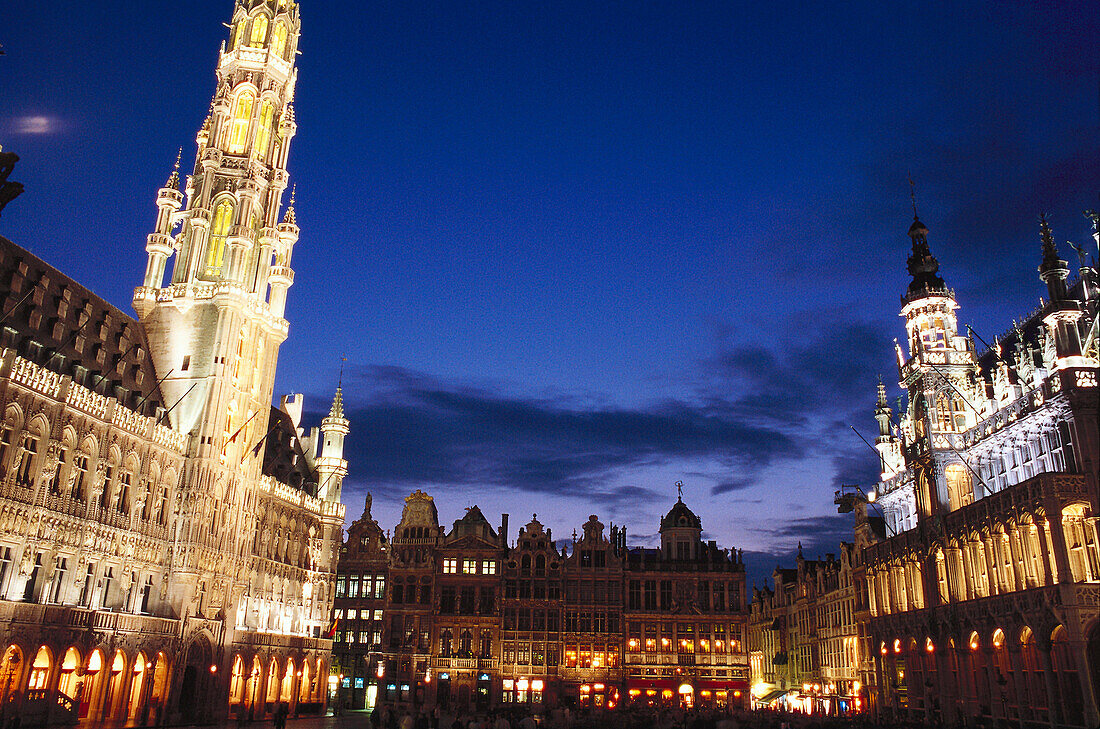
(685, 619)
(359, 615)
(984, 585)
(168, 542)
(473, 623)
(804, 638)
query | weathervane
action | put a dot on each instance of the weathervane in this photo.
(913, 194)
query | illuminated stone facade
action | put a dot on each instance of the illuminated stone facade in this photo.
(983, 578)
(168, 540)
(805, 648)
(473, 622)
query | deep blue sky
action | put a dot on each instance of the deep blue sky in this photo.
(575, 251)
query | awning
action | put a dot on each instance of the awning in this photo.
(771, 696)
(733, 685)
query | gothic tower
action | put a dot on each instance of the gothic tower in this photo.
(941, 379)
(215, 326)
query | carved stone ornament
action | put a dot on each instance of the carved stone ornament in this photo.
(100, 479)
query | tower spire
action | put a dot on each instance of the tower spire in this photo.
(922, 265)
(1053, 271)
(173, 182)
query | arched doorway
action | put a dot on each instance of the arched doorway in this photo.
(196, 682)
(158, 693)
(286, 688)
(142, 669)
(89, 690)
(70, 682)
(253, 689)
(114, 702)
(1092, 658)
(11, 673)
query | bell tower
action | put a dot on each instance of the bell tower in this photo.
(214, 322)
(215, 326)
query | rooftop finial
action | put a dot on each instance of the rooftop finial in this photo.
(290, 217)
(680, 491)
(913, 195)
(174, 178)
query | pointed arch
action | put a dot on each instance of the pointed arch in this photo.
(259, 31)
(242, 120)
(278, 40)
(219, 230)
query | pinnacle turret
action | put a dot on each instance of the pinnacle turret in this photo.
(337, 409)
(173, 182)
(1053, 271)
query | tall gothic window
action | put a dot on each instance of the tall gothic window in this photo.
(259, 32)
(960, 491)
(950, 413)
(263, 132)
(278, 40)
(933, 333)
(219, 230)
(242, 117)
(238, 31)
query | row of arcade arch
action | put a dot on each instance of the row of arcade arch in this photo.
(1016, 676)
(258, 686)
(97, 685)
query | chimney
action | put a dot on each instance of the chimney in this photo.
(504, 530)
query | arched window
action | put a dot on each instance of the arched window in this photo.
(960, 492)
(242, 117)
(263, 132)
(278, 40)
(219, 230)
(259, 32)
(465, 645)
(238, 31)
(950, 413)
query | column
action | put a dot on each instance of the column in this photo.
(1018, 686)
(994, 582)
(1058, 541)
(1054, 690)
(1044, 550)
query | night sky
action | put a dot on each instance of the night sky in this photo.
(575, 252)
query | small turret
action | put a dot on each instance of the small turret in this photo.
(1053, 271)
(331, 464)
(887, 444)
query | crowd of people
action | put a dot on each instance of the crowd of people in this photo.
(629, 717)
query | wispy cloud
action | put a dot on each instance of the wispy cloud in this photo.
(36, 124)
